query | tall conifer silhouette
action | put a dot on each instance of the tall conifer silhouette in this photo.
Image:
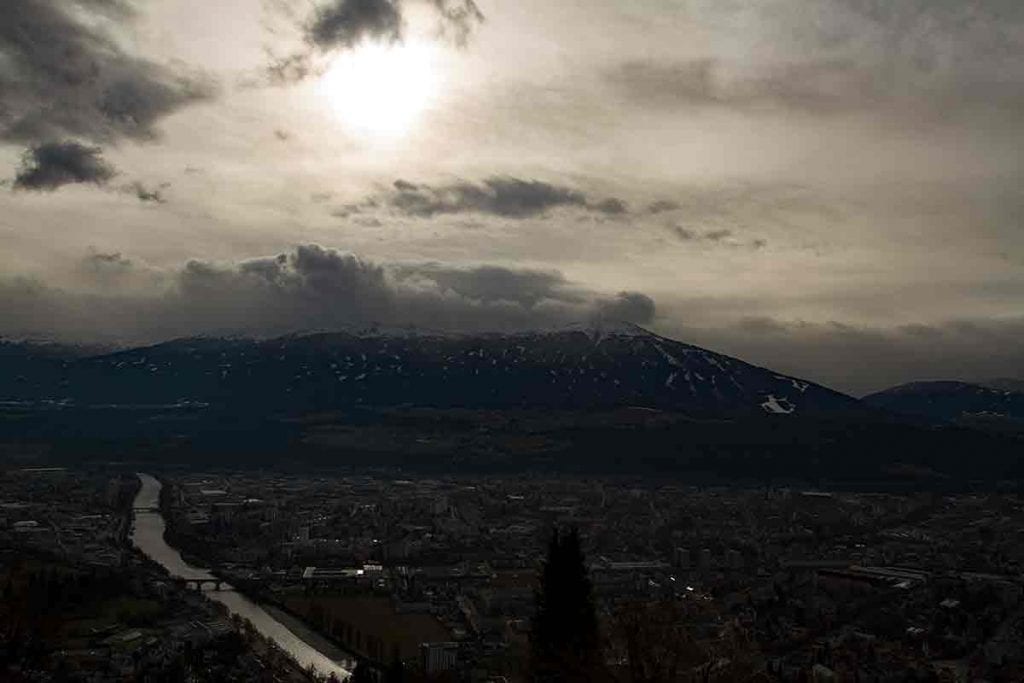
(564, 642)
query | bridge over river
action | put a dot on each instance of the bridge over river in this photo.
(148, 536)
(202, 584)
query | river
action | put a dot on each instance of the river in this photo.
(148, 536)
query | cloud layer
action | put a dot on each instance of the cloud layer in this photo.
(62, 74)
(502, 196)
(923, 57)
(108, 297)
(309, 288)
(65, 80)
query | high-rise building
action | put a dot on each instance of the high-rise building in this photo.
(438, 657)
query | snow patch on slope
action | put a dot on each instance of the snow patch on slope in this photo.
(779, 406)
(800, 386)
(672, 360)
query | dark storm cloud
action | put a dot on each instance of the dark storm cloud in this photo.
(51, 165)
(64, 80)
(345, 23)
(631, 307)
(308, 288)
(62, 76)
(492, 283)
(502, 196)
(843, 55)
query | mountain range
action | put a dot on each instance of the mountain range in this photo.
(609, 398)
(572, 368)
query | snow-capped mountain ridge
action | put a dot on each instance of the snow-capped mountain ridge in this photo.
(579, 367)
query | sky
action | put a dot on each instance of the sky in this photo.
(831, 188)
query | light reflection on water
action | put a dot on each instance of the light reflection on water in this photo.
(148, 536)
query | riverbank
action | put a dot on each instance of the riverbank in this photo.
(310, 636)
(298, 641)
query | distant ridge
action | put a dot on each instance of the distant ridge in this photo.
(950, 400)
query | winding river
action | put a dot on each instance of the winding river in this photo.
(148, 536)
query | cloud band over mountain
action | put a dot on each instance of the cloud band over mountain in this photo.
(309, 288)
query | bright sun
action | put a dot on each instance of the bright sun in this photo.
(381, 90)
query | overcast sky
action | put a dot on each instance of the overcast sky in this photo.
(831, 188)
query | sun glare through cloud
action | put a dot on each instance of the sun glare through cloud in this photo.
(382, 90)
